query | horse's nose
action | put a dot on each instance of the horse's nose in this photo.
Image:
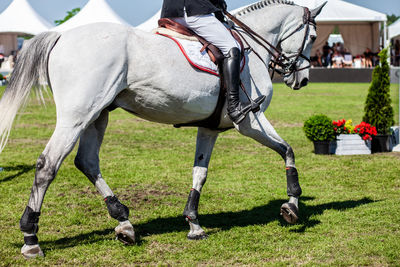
(304, 82)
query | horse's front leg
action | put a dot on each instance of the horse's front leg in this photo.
(260, 129)
(205, 143)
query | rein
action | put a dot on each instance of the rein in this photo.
(286, 64)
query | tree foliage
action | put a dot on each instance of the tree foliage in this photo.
(69, 15)
(392, 18)
(378, 109)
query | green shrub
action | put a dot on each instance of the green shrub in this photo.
(378, 109)
(319, 128)
(1, 77)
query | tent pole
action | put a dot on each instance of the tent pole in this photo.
(385, 34)
(397, 75)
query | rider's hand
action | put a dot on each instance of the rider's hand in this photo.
(220, 4)
(220, 16)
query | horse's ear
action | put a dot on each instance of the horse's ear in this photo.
(315, 12)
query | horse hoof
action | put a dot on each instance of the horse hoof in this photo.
(30, 252)
(200, 236)
(125, 234)
(289, 212)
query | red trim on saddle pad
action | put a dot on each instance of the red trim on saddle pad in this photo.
(202, 68)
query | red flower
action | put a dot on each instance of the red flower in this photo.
(367, 137)
(365, 130)
(339, 129)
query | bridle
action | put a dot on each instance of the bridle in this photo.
(280, 63)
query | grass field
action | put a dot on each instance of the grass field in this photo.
(349, 211)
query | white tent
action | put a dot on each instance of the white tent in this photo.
(19, 18)
(94, 11)
(394, 30)
(151, 23)
(360, 27)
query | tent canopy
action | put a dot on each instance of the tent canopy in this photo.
(359, 26)
(20, 18)
(394, 30)
(94, 11)
(341, 11)
(151, 23)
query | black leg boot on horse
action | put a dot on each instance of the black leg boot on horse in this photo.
(231, 70)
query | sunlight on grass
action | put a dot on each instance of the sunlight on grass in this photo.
(349, 208)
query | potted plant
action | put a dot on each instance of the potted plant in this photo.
(378, 109)
(319, 129)
(352, 140)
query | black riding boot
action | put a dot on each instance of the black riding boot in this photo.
(231, 70)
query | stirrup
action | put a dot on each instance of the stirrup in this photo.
(255, 104)
(239, 113)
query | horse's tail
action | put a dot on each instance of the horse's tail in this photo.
(30, 68)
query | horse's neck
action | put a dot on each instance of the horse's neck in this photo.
(271, 23)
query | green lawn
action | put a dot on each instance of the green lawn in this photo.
(349, 211)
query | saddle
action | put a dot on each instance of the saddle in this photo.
(170, 28)
(182, 32)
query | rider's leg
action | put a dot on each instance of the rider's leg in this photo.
(211, 29)
(231, 72)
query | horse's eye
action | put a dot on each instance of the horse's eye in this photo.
(313, 38)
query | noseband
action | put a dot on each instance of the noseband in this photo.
(280, 63)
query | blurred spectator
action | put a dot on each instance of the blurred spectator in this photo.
(338, 56)
(11, 61)
(316, 61)
(337, 60)
(397, 53)
(1, 59)
(368, 58)
(326, 55)
(347, 59)
(339, 47)
(358, 62)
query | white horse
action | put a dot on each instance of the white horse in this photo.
(97, 66)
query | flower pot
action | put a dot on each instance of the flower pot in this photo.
(321, 147)
(380, 143)
(352, 144)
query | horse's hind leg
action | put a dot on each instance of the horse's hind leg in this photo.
(59, 146)
(87, 161)
(205, 143)
(260, 129)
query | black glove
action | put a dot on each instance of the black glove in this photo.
(221, 4)
(220, 16)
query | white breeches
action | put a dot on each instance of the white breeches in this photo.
(211, 29)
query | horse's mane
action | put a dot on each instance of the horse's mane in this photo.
(262, 4)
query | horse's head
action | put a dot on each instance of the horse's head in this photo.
(295, 44)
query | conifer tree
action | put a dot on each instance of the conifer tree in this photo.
(378, 109)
